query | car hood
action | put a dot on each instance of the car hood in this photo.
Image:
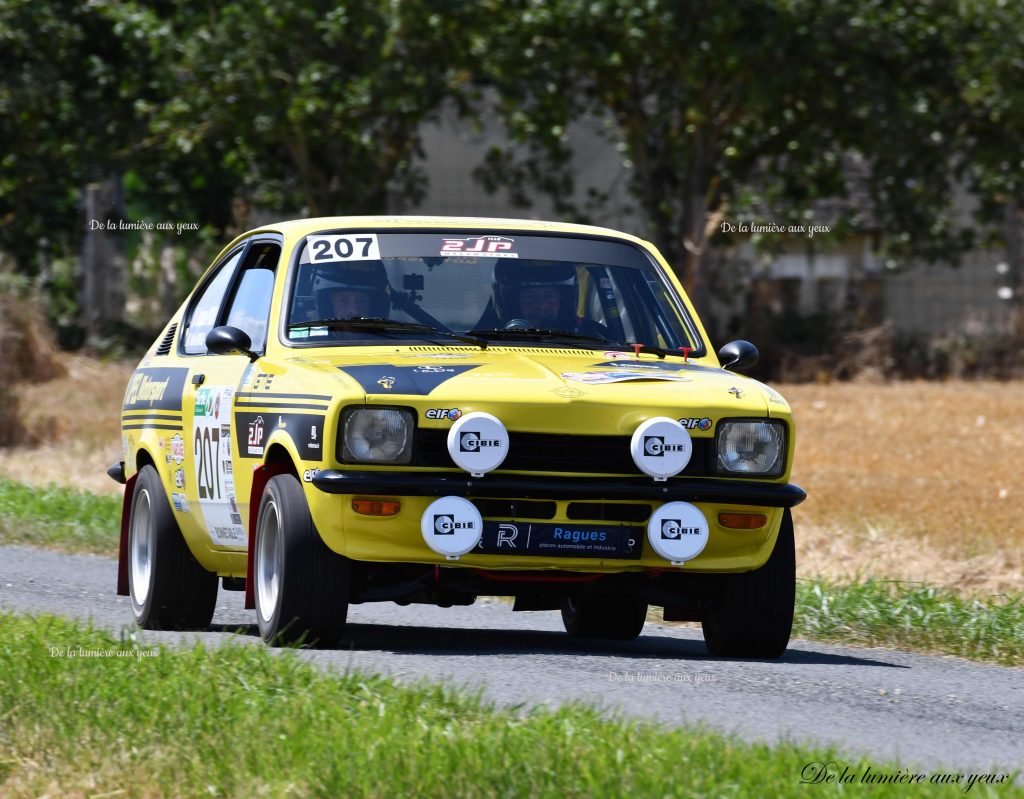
(545, 390)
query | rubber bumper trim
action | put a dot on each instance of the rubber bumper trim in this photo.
(722, 492)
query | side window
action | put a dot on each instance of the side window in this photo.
(203, 314)
(250, 305)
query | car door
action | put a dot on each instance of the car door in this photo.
(239, 296)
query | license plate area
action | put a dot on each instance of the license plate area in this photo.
(561, 540)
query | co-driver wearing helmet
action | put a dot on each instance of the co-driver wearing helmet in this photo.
(347, 303)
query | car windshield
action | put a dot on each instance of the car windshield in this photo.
(501, 288)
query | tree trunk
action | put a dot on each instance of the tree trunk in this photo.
(102, 291)
(167, 277)
(701, 188)
(1015, 269)
(1012, 234)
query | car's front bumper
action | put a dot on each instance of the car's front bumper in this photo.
(397, 539)
(719, 492)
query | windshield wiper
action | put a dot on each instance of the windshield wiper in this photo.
(537, 332)
(661, 352)
(380, 324)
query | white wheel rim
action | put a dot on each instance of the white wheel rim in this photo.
(142, 547)
(268, 578)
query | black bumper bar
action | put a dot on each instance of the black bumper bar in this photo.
(728, 492)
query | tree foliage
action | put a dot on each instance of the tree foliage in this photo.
(315, 106)
(752, 106)
(68, 86)
(756, 108)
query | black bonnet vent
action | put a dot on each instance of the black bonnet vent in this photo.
(168, 340)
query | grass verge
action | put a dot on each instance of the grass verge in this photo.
(58, 517)
(242, 721)
(914, 616)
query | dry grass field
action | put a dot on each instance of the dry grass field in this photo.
(916, 481)
(76, 420)
(909, 481)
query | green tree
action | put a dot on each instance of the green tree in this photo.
(315, 106)
(991, 76)
(67, 93)
(739, 107)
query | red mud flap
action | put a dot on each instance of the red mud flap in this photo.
(122, 552)
(260, 478)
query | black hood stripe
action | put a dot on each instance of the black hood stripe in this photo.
(419, 380)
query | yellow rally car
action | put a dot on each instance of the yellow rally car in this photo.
(432, 409)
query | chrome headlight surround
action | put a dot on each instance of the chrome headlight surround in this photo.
(378, 435)
(750, 447)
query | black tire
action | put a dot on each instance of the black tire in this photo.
(613, 617)
(302, 587)
(754, 616)
(169, 589)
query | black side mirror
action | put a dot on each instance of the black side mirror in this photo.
(738, 355)
(225, 340)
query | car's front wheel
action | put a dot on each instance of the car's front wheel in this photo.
(753, 617)
(620, 618)
(168, 588)
(302, 587)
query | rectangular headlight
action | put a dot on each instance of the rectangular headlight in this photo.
(751, 448)
(376, 435)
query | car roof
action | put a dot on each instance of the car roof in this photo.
(296, 228)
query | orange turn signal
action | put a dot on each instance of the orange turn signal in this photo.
(376, 507)
(742, 521)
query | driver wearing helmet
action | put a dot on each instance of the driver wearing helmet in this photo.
(354, 289)
(544, 297)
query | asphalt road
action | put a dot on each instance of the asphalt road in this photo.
(932, 713)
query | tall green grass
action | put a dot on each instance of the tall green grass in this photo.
(54, 516)
(242, 721)
(912, 615)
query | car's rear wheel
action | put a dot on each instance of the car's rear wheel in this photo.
(619, 618)
(169, 589)
(753, 618)
(302, 587)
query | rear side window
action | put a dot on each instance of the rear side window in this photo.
(250, 305)
(203, 314)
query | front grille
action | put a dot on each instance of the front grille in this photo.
(608, 512)
(516, 508)
(548, 452)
